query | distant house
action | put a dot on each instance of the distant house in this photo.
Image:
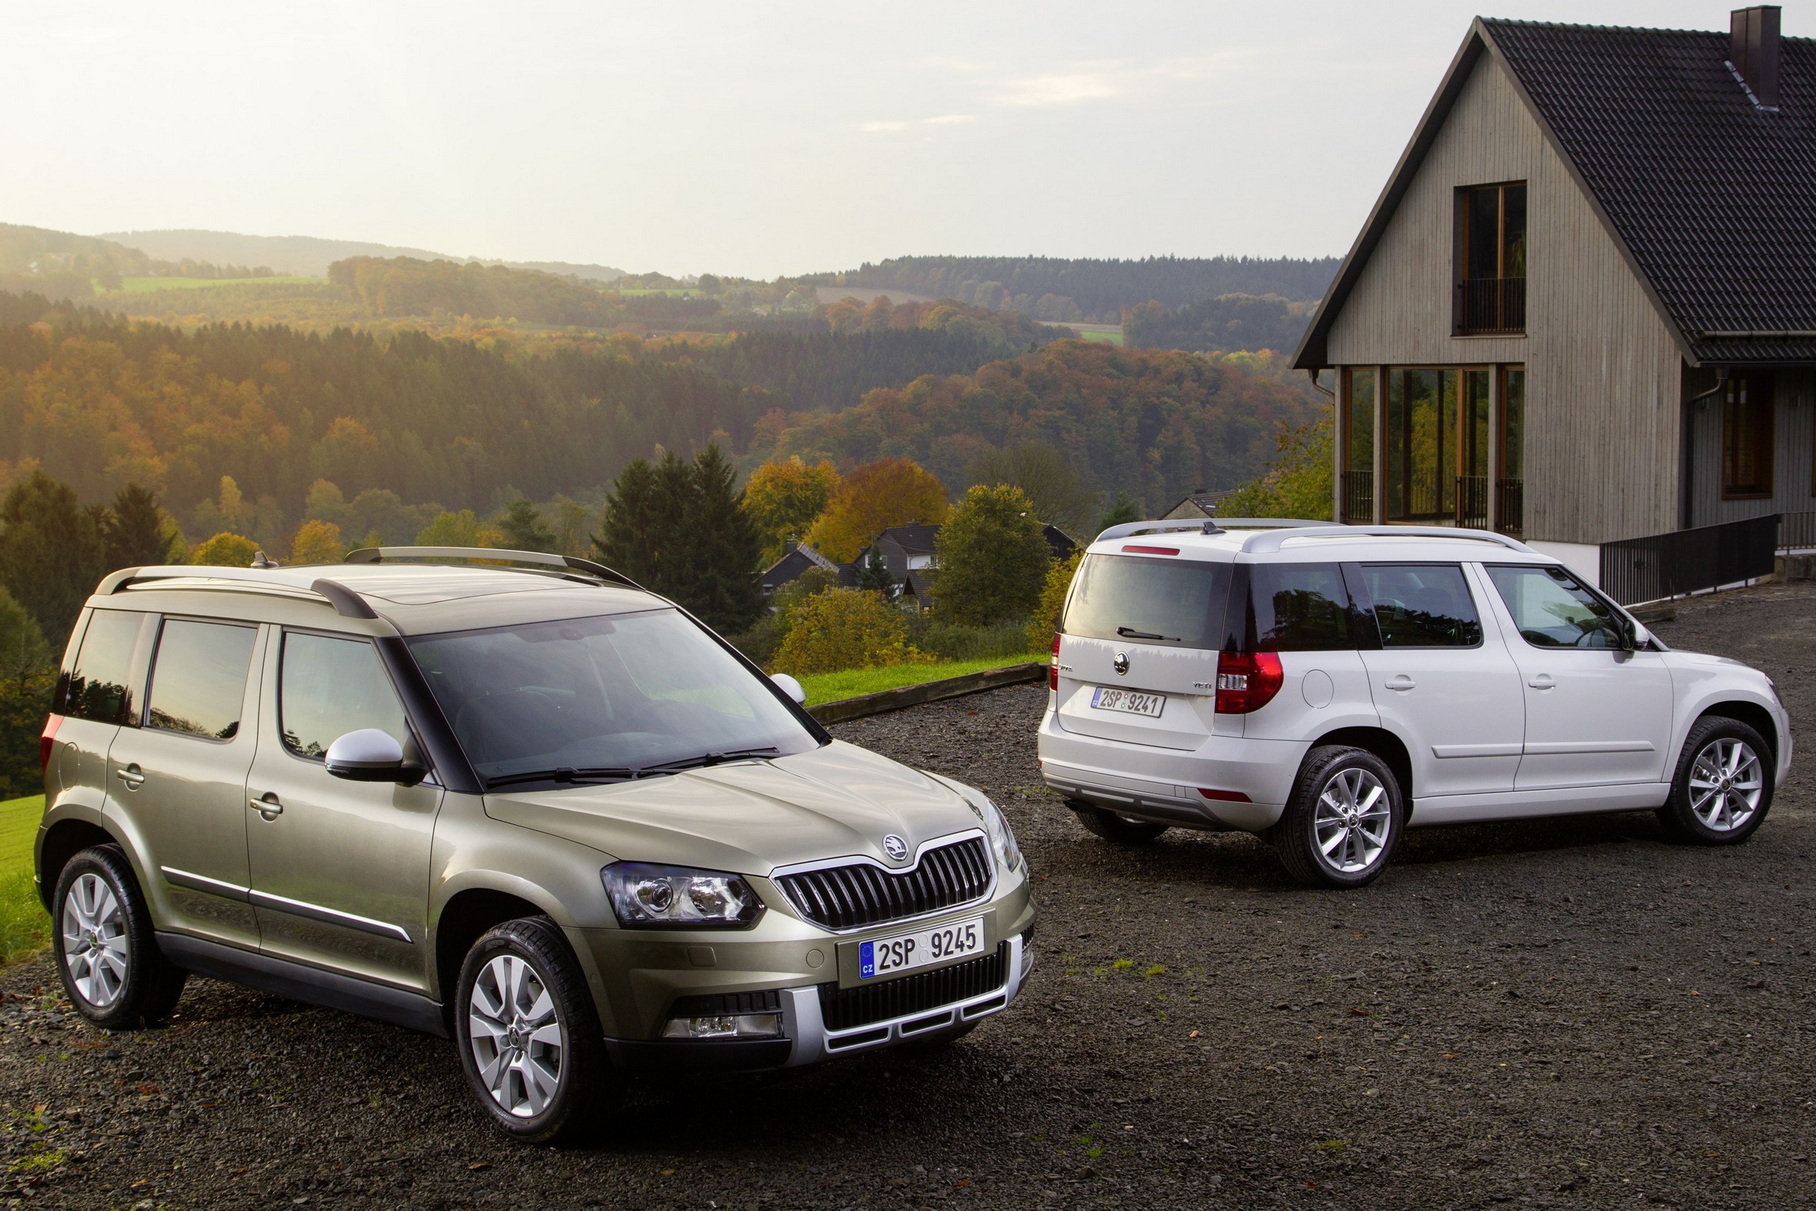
(1197, 503)
(1584, 307)
(791, 566)
(911, 556)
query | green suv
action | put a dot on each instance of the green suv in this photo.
(519, 802)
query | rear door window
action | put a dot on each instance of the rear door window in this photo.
(328, 687)
(198, 678)
(1298, 607)
(1169, 601)
(97, 683)
(1424, 605)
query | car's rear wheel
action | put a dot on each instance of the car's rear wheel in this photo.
(529, 1038)
(107, 952)
(1111, 826)
(1343, 821)
(1722, 787)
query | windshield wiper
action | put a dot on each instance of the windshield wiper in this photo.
(684, 763)
(568, 775)
(1132, 633)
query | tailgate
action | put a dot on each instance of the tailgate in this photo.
(1183, 680)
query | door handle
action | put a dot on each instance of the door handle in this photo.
(1402, 683)
(1543, 681)
(132, 776)
(268, 807)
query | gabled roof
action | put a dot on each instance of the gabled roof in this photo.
(914, 538)
(1711, 199)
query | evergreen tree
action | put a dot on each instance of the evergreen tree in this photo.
(133, 530)
(631, 534)
(726, 548)
(524, 529)
(1122, 509)
(875, 575)
(51, 553)
(28, 673)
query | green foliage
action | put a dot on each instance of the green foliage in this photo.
(1060, 492)
(24, 926)
(28, 675)
(760, 641)
(462, 529)
(395, 286)
(949, 641)
(851, 683)
(839, 629)
(875, 576)
(1299, 482)
(1121, 511)
(992, 558)
(51, 552)
(725, 548)
(522, 528)
(225, 550)
(135, 531)
(1219, 325)
(1044, 622)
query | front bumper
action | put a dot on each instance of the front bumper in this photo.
(808, 1038)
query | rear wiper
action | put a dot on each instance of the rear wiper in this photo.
(567, 775)
(1132, 633)
(736, 754)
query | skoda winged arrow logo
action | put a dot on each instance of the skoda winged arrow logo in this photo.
(895, 847)
(1122, 664)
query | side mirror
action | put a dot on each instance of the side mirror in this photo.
(1639, 636)
(371, 755)
(791, 687)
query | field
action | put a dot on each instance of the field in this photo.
(147, 285)
(1109, 333)
(829, 687)
(22, 922)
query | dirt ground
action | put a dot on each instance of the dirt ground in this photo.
(1551, 1013)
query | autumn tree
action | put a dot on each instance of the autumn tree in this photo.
(459, 529)
(225, 550)
(992, 558)
(1043, 624)
(317, 542)
(522, 528)
(1060, 492)
(784, 498)
(134, 531)
(1298, 484)
(51, 553)
(875, 496)
(841, 629)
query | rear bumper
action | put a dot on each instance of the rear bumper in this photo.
(1165, 784)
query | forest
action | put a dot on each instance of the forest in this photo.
(1089, 290)
(1224, 324)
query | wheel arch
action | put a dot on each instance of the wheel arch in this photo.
(61, 841)
(1752, 714)
(1383, 744)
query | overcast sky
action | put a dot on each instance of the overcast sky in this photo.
(751, 138)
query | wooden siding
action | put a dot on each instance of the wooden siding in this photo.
(1603, 371)
(1792, 439)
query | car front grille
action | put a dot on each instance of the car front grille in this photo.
(863, 893)
(846, 1008)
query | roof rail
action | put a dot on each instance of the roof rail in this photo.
(1207, 525)
(1272, 540)
(536, 559)
(345, 601)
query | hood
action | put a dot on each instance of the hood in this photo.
(1699, 660)
(750, 817)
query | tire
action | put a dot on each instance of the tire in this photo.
(1123, 830)
(1344, 819)
(106, 948)
(538, 1064)
(1723, 784)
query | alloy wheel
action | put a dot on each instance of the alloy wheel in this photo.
(1352, 820)
(517, 1037)
(95, 949)
(1726, 784)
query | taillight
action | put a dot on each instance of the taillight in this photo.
(46, 740)
(1053, 668)
(1247, 681)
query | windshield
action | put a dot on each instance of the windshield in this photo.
(595, 699)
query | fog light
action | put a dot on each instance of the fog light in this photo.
(726, 1026)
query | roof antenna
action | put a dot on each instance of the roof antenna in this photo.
(260, 562)
(1210, 521)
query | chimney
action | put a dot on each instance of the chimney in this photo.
(1753, 52)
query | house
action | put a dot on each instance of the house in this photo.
(911, 555)
(789, 568)
(1199, 502)
(1584, 307)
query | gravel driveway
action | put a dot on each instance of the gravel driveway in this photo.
(1547, 1013)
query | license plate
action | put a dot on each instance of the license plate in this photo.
(1129, 702)
(923, 948)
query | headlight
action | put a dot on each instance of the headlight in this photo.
(1002, 837)
(674, 897)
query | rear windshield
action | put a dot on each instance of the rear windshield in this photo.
(1175, 602)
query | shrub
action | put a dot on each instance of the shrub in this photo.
(760, 642)
(840, 629)
(1045, 621)
(948, 641)
(225, 550)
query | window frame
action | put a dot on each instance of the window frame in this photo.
(1354, 576)
(277, 701)
(1615, 614)
(1463, 242)
(156, 642)
(132, 709)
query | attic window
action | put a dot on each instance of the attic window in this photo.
(1491, 259)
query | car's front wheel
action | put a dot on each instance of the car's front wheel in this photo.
(107, 953)
(1343, 820)
(529, 1038)
(1124, 830)
(1722, 787)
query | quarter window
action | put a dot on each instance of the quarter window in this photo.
(198, 680)
(1552, 610)
(328, 687)
(1422, 606)
(1298, 608)
(97, 682)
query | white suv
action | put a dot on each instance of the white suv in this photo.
(1327, 686)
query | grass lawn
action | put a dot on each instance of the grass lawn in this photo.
(830, 687)
(147, 285)
(24, 929)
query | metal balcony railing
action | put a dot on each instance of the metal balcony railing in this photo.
(1359, 496)
(1490, 306)
(1510, 507)
(1472, 501)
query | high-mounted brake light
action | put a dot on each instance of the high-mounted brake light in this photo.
(1247, 681)
(1133, 550)
(47, 740)
(1053, 667)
